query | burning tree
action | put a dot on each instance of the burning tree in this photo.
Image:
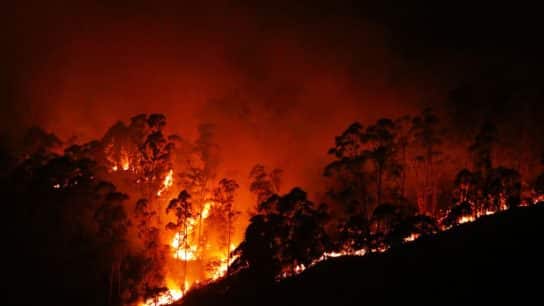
(155, 163)
(224, 198)
(182, 210)
(199, 172)
(503, 188)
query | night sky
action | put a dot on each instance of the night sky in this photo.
(278, 79)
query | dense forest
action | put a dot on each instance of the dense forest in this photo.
(140, 216)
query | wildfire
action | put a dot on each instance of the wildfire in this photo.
(466, 219)
(489, 212)
(412, 237)
(167, 182)
(223, 268)
(173, 294)
(125, 164)
(206, 209)
(185, 254)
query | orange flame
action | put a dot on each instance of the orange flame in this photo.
(173, 294)
(167, 182)
(466, 219)
(412, 237)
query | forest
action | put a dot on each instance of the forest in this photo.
(141, 216)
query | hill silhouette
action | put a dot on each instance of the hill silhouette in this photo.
(496, 259)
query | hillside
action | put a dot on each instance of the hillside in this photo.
(496, 259)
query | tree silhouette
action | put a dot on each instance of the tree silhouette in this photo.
(113, 223)
(418, 225)
(354, 233)
(482, 149)
(264, 184)
(380, 147)
(402, 141)
(153, 253)
(224, 198)
(427, 135)
(456, 213)
(286, 232)
(503, 188)
(200, 171)
(182, 210)
(349, 178)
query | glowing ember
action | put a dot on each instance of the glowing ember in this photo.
(56, 186)
(299, 268)
(167, 182)
(466, 219)
(114, 168)
(412, 237)
(125, 164)
(489, 212)
(538, 199)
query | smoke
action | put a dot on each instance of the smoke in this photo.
(278, 81)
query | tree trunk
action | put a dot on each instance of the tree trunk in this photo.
(403, 175)
(110, 293)
(378, 184)
(229, 228)
(119, 280)
(185, 239)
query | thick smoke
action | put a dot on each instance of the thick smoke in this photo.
(277, 81)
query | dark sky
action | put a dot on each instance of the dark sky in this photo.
(278, 79)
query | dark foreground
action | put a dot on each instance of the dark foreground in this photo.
(497, 259)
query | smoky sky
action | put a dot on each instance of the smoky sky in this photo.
(278, 79)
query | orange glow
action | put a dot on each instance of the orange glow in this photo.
(206, 209)
(167, 182)
(412, 237)
(466, 219)
(125, 163)
(180, 253)
(173, 294)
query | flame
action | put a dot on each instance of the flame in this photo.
(173, 294)
(206, 209)
(125, 164)
(223, 268)
(184, 254)
(412, 237)
(189, 252)
(466, 219)
(167, 182)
